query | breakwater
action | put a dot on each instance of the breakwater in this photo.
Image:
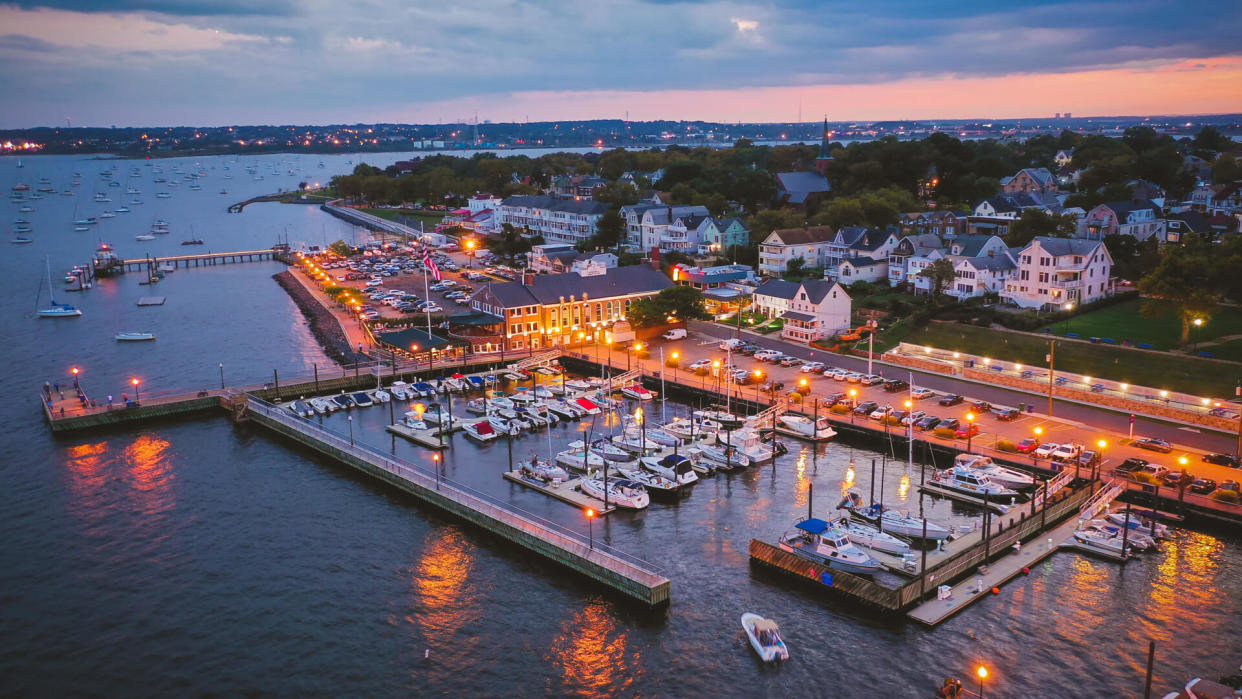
(323, 325)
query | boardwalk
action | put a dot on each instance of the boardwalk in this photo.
(202, 259)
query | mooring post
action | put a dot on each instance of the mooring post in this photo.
(276, 380)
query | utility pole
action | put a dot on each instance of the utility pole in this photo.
(1052, 351)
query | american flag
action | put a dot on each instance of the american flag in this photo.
(430, 264)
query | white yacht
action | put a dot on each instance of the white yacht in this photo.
(750, 442)
(622, 492)
(481, 431)
(689, 429)
(966, 480)
(579, 458)
(1104, 540)
(1136, 523)
(1006, 477)
(806, 427)
(674, 467)
(869, 537)
(541, 470)
(892, 521)
(725, 458)
(821, 542)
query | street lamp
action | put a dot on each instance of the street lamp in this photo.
(1198, 324)
(982, 672)
(134, 383)
(1067, 308)
(590, 515)
(758, 377)
(221, 365)
(351, 430)
(75, 371)
(970, 430)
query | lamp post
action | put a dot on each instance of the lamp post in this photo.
(970, 430)
(982, 672)
(75, 371)
(758, 378)
(590, 515)
(1095, 467)
(351, 430)
(676, 361)
(1198, 323)
(853, 402)
(221, 366)
(134, 383)
(1067, 308)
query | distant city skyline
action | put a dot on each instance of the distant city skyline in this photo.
(222, 62)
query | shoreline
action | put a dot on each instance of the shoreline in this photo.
(323, 325)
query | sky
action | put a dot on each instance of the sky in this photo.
(223, 62)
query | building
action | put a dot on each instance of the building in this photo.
(861, 269)
(938, 223)
(560, 309)
(824, 159)
(808, 244)
(976, 276)
(1053, 272)
(557, 220)
(1179, 225)
(1064, 157)
(684, 234)
(720, 234)
(1031, 179)
(646, 225)
(705, 278)
(977, 245)
(798, 188)
(919, 247)
(859, 254)
(812, 310)
(1139, 218)
(576, 186)
(558, 258)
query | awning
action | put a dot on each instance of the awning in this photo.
(474, 318)
(406, 339)
(800, 317)
(813, 525)
(722, 294)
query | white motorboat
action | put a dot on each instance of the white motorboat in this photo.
(1005, 477)
(1136, 539)
(1159, 531)
(610, 451)
(539, 410)
(632, 441)
(590, 407)
(481, 431)
(726, 419)
(577, 385)
(621, 492)
(726, 458)
(400, 390)
(413, 422)
(872, 538)
(565, 410)
(542, 470)
(892, 521)
(658, 487)
(500, 401)
(544, 393)
(971, 482)
(301, 408)
(523, 395)
(674, 467)
(579, 458)
(144, 236)
(381, 395)
(478, 406)
(134, 337)
(691, 429)
(362, 399)
(806, 427)
(765, 638)
(750, 442)
(505, 427)
(638, 392)
(1103, 540)
(322, 406)
(821, 542)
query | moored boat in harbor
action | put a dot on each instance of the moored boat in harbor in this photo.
(819, 541)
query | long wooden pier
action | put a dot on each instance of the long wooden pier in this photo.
(202, 259)
(630, 576)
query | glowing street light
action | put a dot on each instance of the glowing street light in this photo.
(590, 515)
(970, 430)
(134, 383)
(982, 672)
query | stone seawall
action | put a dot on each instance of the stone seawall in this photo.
(323, 325)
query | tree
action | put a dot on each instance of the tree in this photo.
(1209, 140)
(1037, 222)
(609, 230)
(941, 274)
(793, 268)
(768, 220)
(677, 302)
(1182, 283)
(341, 248)
(617, 194)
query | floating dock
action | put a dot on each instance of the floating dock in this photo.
(565, 492)
(151, 301)
(429, 438)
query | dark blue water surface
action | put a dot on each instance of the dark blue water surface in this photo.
(196, 556)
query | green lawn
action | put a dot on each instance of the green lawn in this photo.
(1231, 350)
(1160, 371)
(1162, 332)
(430, 218)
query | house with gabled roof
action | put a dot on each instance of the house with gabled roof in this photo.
(911, 249)
(976, 276)
(1064, 157)
(1139, 218)
(557, 220)
(1031, 179)
(720, 234)
(812, 309)
(1054, 272)
(785, 244)
(797, 188)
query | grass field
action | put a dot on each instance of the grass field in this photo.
(1156, 370)
(1231, 350)
(1124, 321)
(430, 218)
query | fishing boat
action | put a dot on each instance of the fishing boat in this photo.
(56, 310)
(622, 493)
(481, 431)
(725, 458)
(970, 482)
(674, 467)
(121, 209)
(590, 407)
(1006, 477)
(134, 336)
(542, 470)
(579, 458)
(362, 399)
(872, 538)
(638, 392)
(765, 638)
(658, 487)
(892, 521)
(819, 541)
(807, 428)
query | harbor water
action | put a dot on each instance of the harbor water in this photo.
(197, 556)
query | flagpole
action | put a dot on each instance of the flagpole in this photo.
(663, 394)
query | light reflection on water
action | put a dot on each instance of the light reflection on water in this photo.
(593, 655)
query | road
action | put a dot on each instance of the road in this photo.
(1074, 422)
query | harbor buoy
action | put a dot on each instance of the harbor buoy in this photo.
(996, 590)
(1026, 571)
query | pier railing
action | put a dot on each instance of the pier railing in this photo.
(562, 537)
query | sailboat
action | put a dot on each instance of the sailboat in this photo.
(56, 310)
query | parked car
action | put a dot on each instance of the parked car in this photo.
(1088, 458)
(832, 399)
(981, 406)
(766, 355)
(674, 334)
(866, 407)
(790, 361)
(1045, 450)
(913, 417)
(811, 367)
(1221, 459)
(837, 374)
(853, 377)
(1065, 452)
(1007, 414)
(1228, 485)
(1202, 486)
(1028, 445)
(929, 422)
(1153, 470)
(1130, 464)
(1154, 444)
(880, 411)
(871, 380)
(894, 385)
(950, 423)
(1172, 479)
(970, 429)
(921, 393)
(950, 399)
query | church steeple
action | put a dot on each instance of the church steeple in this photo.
(823, 145)
(825, 157)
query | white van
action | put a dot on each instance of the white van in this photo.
(730, 344)
(674, 334)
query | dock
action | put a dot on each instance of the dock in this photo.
(566, 492)
(151, 301)
(201, 259)
(628, 575)
(429, 438)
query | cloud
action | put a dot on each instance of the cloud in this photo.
(196, 8)
(745, 25)
(119, 32)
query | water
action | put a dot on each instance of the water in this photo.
(195, 555)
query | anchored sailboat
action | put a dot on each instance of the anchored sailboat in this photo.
(56, 310)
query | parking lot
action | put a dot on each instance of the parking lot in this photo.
(763, 374)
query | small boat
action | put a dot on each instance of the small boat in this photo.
(579, 458)
(662, 438)
(194, 241)
(807, 428)
(343, 401)
(515, 420)
(19, 239)
(381, 396)
(750, 442)
(637, 392)
(610, 451)
(398, 389)
(691, 429)
(632, 441)
(1006, 477)
(162, 195)
(301, 408)
(1103, 540)
(674, 467)
(144, 236)
(765, 638)
(413, 422)
(423, 389)
(966, 480)
(872, 538)
(1136, 539)
(725, 458)
(502, 402)
(587, 405)
(565, 410)
(893, 522)
(1136, 523)
(540, 412)
(481, 431)
(621, 492)
(577, 385)
(658, 487)
(819, 541)
(56, 310)
(134, 336)
(322, 406)
(477, 406)
(543, 471)
(107, 214)
(504, 426)
(362, 399)
(726, 419)
(523, 395)
(475, 381)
